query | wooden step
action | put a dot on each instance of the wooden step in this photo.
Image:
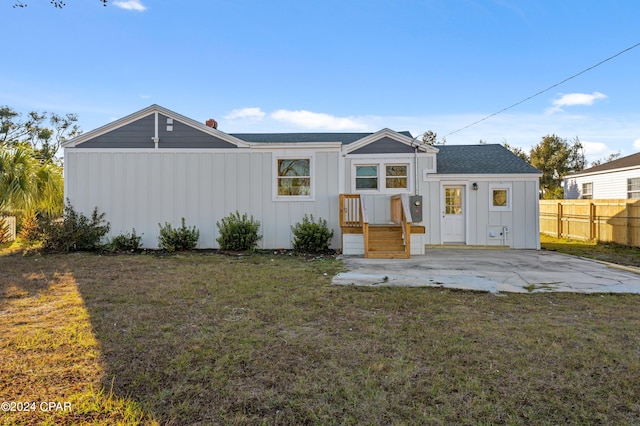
(387, 255)
(386, 247)
(392, 227)
(386, 242)
(385, 235)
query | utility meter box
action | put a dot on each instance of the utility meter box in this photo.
(415, 204)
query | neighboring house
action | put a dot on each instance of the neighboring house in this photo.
(157, 166)
(617, 179)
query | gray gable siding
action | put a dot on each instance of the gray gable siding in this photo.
(184, 136)
(480, 159)
(385, 145)
(134, 135)
(140, 133)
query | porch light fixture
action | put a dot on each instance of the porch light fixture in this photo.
(475, 186)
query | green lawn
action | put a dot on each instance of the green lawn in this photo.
(608, 252)
(202, 338)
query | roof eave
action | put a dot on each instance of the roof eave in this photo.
(391, 134)
(72, 143)
(602, 172)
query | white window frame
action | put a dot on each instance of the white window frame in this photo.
(497, 187)
(355, 177)
(635, 191)
(407, 176)
(586, 195)
(312, 188)
(382, 176)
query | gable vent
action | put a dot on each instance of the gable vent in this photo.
(212, 123)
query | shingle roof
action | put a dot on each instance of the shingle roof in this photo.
(452, 159)
(632, 160)
(480, 159)
(344, 138)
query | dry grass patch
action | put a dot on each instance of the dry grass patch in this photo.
(209, 339)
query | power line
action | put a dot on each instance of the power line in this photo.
(543, 91)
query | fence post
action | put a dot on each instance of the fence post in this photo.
(628, 224)
(592, 221)
(559, 222)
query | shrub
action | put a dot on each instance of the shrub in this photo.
(238, 233)
(126, 242)
(310, 236)
(177, 239)
(74, 232)
(31, 230)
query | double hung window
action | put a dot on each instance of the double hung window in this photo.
(381, 177)
(633, 188)
(367, 176)
(294, 177)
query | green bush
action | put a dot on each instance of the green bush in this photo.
(310, 236)
(238, 233)
(74, 232)
(125, 242)
(177, 239)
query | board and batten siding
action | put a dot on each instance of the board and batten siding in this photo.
(606, 185)
(141, 189)
(378, 203)
(521, 220)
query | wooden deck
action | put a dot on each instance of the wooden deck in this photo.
(381, 241)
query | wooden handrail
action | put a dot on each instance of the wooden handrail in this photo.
(350, 208)
(401, 214)
(353, 214)
(364, 217)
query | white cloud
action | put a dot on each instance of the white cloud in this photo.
(316, 120)
(573, 99)
(602, 134)
(130, 5)
(245, 113)
(595, 149)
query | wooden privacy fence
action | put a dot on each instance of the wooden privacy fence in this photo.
(616, 221)
(11, 222)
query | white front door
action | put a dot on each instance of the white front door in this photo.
(453, 214)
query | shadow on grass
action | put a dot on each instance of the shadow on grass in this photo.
(52, 371)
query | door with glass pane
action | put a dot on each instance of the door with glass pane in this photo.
(453, 214)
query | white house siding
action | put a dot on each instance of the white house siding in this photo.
(606, 185)
(379, 203)
(140, 189)
(521, 221)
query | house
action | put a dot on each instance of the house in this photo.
(617, 179)
(384, 193)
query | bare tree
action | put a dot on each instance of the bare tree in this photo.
(607, 159)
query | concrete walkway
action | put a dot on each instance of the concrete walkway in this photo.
(515, 271)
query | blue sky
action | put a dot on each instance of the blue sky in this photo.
(337, 65)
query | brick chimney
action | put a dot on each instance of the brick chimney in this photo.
(212, 123)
